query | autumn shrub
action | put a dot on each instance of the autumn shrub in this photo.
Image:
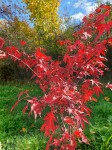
(68, 84)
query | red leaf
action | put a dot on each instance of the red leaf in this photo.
(24, 109)
(101, 29)
(85, 109)
(38, 54)
(21, 93)
(48, 143)
(61, 43)
(77, 133)
(12, 50)
(107, 7)
(36, 106)
(49, 125)
(109, 86)
(68, 120)
(97, 90)
(56, 142)
(81, 119)
(33, 100)
(22, 43)
(16, 103)
(1, 42)
(98, 10)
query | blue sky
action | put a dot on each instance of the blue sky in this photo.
(75, 9)
(11, 3)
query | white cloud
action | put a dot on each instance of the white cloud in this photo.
(86, 6)
(82, 3)
(78, 4)
(90, 7)
(79, 16)
(76, 17)
(104, 1)
(68, 3)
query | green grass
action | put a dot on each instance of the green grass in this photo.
(99, 132)
(12, 125)
(18, 131)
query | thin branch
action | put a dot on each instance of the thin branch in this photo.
(23, 63)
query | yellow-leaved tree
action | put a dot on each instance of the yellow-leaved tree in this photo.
(44, 15)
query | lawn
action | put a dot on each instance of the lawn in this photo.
(20, 132)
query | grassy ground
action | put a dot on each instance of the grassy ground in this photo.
(20, 132)
(99, 132)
